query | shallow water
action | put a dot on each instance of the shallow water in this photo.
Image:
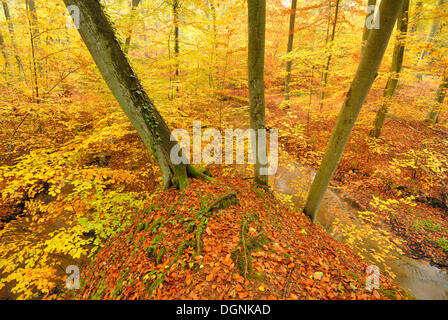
(419, 278)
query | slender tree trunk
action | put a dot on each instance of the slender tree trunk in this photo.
(434, 111)
(330, 56)
(134, 6)
(416, 17)
(356, 96)
(8, 68)
(98, 35)
(174, 88)
(13, 39)
(292, 20)
(34, 33)
(430, 38)
(257, 39)
(33, 20)
(366, 32)
(327, 36)
(211, 80)
(176, 34)
(394, 76)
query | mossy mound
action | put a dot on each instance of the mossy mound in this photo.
(222, 241)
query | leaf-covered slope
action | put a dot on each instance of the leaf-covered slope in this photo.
(191, 245)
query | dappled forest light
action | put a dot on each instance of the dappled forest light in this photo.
(223, 150)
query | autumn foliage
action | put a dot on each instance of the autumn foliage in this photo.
(79, 187)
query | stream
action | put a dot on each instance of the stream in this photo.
(417, 277)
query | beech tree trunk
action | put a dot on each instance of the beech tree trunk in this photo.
(366, 33)
(330, 56)
(434, 111)
(292, 20)
(33, 20)
(98, 35)
(176, 34)
(8, 68)
(134, 6)
(34, 37)
(257, 39)
(211, 78)
(394, 76)
(13, 39)
(431, 37)
(416, 17)
(356, 96)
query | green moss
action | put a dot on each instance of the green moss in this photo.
(390, 293)
(224, 202)
(158, 223)
(160, 255)
(140, 227)
(427, 224)
(242, 254)
(443, 244)
(258, 241)
(243, 263)
(180, 178)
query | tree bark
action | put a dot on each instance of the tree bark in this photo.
(434, 111)
(327, 37)
(416, 17)
(356, 96)
(8, 68)
(330, 56)
(127, 44)
(430, 38)
(211, 78)
(257, 39)
(176, 34)
(13, 39)
(33, 20)
(394, 76)
(366, 32)
(34, 37)
(98, 35)
(292, 20)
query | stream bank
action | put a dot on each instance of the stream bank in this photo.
(292, 182)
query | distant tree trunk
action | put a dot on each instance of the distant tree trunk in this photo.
(134, 6)
(433, 113)
(34, 35)
(211, 80)
(356, 96)
(322, 74)
(366, 32)
(33, 20)
(394, 75)
(257, 39)
(13, 39)
(8, 68)
(327, 67)
(431, 36)
(292, 19)
(99, 37)
(416, 17)
(176, 34)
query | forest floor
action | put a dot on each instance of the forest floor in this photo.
(250, 248)
(405, 171)
(64, 165)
